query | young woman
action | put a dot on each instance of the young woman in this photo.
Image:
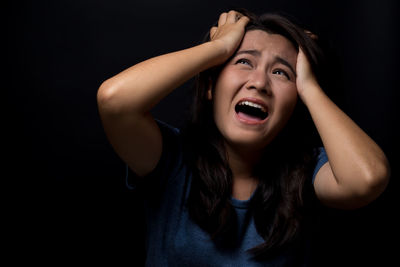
(236, 187)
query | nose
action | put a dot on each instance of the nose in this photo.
(259, 80)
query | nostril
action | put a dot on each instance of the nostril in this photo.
(265, 91)
(262, 90)
(262, 86)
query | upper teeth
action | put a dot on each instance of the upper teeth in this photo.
(253, 105)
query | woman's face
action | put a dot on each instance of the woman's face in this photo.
(255, 93)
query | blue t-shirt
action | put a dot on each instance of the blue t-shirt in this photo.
(172, 238)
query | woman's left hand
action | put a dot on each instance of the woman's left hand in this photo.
(305, 77)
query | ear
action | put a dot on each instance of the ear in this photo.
(209, 90)
(209, 94)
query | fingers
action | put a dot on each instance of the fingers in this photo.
(228, 22)
(243, 20)
(231, 17)
(222, 19)
(213, 30)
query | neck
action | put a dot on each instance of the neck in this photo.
(242, 163)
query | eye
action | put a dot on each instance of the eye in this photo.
(244, 62)
(281, 72)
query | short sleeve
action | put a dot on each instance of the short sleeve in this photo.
(170, 160)
(322, 158)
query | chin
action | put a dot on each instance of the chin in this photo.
(248, 140)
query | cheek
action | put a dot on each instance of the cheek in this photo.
(286, 99)
(219, 104)
(219, 99)
(225, 89)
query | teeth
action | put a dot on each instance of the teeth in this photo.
(253, 105)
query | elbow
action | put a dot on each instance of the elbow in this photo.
(376, 180)
(359, 188)
(107, 97)
(113, 98)
(378, 177)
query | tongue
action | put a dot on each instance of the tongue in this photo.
(248, 117)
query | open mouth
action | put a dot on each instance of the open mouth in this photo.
(251, 112)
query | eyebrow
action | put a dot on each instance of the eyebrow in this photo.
(284, 62)
(251, 52)
(276, 59)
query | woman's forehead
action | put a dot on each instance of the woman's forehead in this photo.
(267, 42)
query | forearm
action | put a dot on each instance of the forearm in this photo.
(357, 162)
(142, 86)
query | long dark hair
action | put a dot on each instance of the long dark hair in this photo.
(284, 172)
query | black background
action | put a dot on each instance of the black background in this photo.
(63, 184)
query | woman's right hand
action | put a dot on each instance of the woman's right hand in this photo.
(229, 32)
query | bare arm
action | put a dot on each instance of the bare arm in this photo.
(126, 99)
(357, 171)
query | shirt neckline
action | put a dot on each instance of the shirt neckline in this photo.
(242, 204)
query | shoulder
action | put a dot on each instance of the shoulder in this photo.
(170, 162)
